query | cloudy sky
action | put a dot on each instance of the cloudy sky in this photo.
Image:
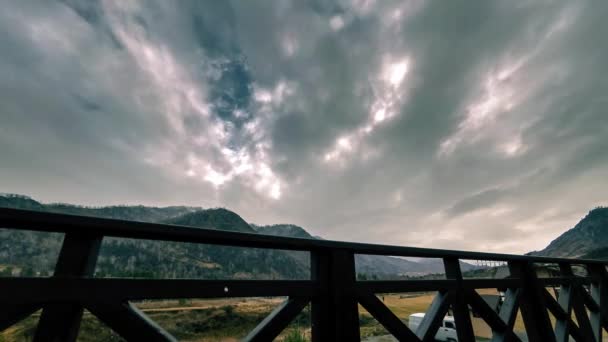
(452, 124)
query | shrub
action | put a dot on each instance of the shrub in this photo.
(295, 336)
(228, 309)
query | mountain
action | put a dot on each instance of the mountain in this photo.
(436, 265)
(285, 230)
(122, 212)
(219, 218)
(378, 265)
(598, 254)
(31, 253)
(19, 202)
(588, 238)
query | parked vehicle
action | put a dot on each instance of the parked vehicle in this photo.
(446, 332)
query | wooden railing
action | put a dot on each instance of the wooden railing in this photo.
(333, 291)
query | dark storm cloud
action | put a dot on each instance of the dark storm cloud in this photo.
(476, 201)
(383, 121)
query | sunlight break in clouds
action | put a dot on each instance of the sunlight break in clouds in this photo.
(388, 99)
(240, 164)
(502, 92)
(394, 73)
(184, 99)
(362, 117)
(336, 23)
(498, 98)
(513, 147)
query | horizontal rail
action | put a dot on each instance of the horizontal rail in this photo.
(555, 281)
(72, 289)
(61, 289)
(63, 223)
(397, 286)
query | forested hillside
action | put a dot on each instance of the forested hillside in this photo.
(25, 253)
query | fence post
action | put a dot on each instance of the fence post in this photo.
(462, 317)
(77, 258)
(578, 304)
(335, 312)
(599, 293)
(532, 303)
(320, 311)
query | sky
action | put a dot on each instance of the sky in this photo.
(475, 125)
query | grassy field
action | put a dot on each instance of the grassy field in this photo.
(198, 320)
(231, 319)
(405, 305)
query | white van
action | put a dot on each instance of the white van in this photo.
(446, 332)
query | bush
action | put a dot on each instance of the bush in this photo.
(228, 309)
(295, 336)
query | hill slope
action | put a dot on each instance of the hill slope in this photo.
(379, 265)
(590, 234)
(219, 218)
(30, 253)
(598, 254)
(286, 230)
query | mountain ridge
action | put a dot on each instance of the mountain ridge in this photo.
(580, 241)
(192, 260)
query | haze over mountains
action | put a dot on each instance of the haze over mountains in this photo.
(32, 253)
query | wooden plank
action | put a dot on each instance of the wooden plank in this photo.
(346, 309)
(337, 287)
(558, 310)
(277, 320)
(462, 317)
(564, 303)
(396, 286)
(582, 318)
(584, 326)
(387, 318)
(335, 313)
(588, 299)
(488, 314)
(129, 322)
(599, 292)
(570, 280)
(18, 291)
(532, 304)
(508, 310)
(77, 257)
(11, 314)
(560, 314)
(321, 309)
(508, 314)
(561, 311)
(500, 330)
(433, 317)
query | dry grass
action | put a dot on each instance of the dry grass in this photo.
(403, 305)
(169, 314)
(243, 304)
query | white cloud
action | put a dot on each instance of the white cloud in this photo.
(185, 99)
(336, 23)
(394, 73)
(386, 102)
(331, 117)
